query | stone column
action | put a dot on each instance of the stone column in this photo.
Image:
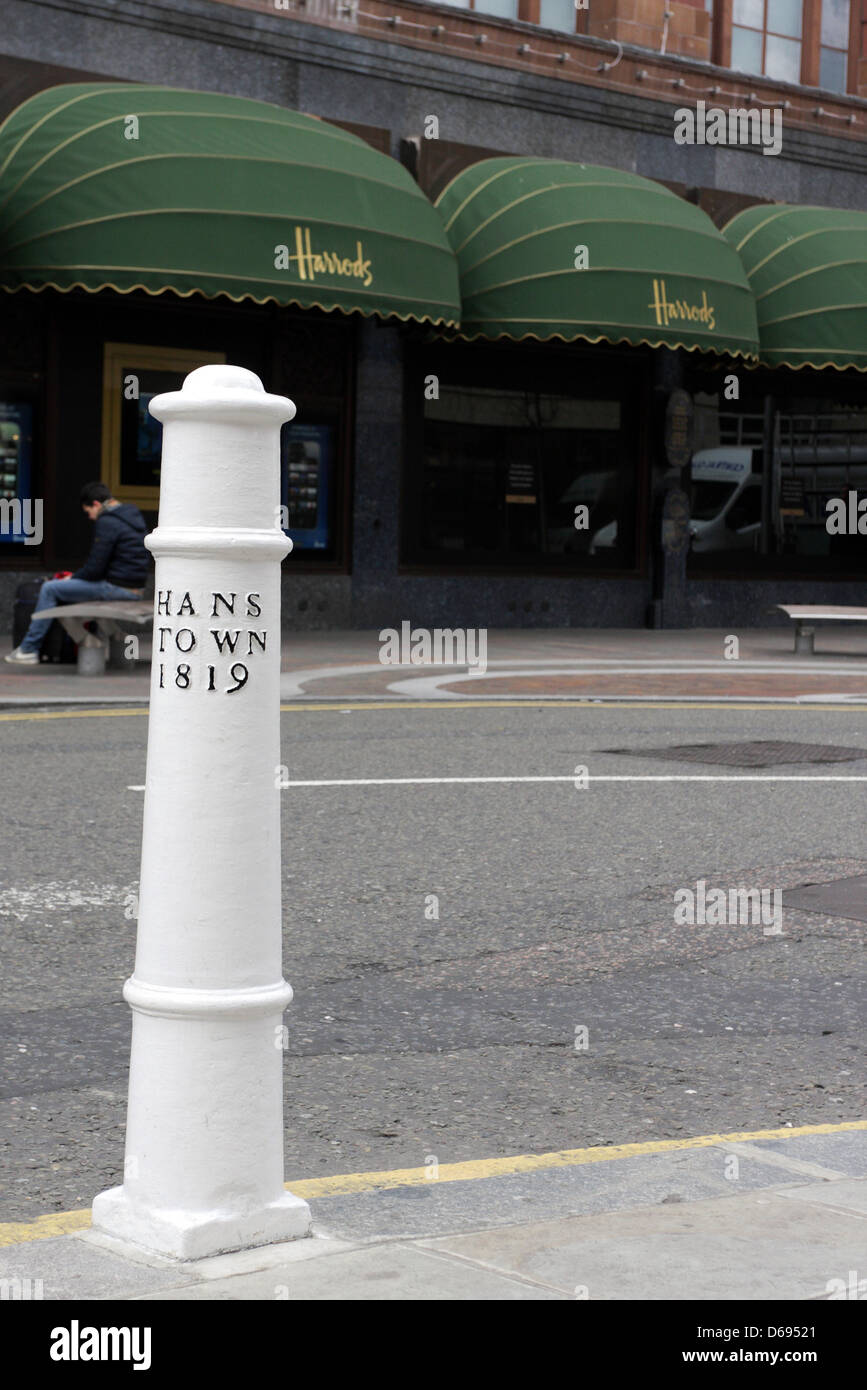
(203, 1171)
(376, 585)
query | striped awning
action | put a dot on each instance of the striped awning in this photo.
(126, 187)
(808, 270)
(549, 249)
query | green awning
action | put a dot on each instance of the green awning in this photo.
(131, 187)
(808, 270)
(658, 271)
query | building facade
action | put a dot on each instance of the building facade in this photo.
(506, 463)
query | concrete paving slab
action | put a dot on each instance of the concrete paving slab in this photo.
(577, 1190)
(845, 1152)
(763, 1246)
(678, 1225)
(314, 1247)
(785, 1162)
(372, 1274)
(71, 1268)
(849, 1195)
(222, 1266)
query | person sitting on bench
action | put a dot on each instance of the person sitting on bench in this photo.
(116, 568)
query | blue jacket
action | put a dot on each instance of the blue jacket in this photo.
(118, 552)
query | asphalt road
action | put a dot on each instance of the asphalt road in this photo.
(456, 1038)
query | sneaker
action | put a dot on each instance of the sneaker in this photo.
(22, 658)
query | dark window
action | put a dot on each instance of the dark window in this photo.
(529, 472)
(746, 511)
(818, 460)
(709, 498)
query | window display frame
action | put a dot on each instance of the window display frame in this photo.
(118, 359)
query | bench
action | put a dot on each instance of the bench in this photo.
(110, 616)
(804, 615)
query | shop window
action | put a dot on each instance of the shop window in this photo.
(745, 511)
(517, 476)
(818, 457)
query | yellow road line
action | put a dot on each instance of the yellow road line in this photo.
(59, 1223)
(597, 704)
(65, 1222)
(70, 714)
(528, 1163)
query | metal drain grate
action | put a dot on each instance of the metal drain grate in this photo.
(843, 897)
(761, 753)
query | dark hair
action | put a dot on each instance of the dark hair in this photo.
(94, 492)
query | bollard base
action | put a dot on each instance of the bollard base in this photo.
(187, 1235)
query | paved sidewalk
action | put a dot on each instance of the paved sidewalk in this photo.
(574, 663)
(755, 1217)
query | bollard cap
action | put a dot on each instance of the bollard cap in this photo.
(220, 389)
(221, 377)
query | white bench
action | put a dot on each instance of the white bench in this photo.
(804, 615)
(111, 616)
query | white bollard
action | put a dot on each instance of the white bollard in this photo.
(203, 1171)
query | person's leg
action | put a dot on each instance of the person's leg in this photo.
(113, 591)
(53, 593)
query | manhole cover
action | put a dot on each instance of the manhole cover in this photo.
(761, 753)
(845, 897)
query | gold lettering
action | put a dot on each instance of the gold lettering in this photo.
(299, 253)
(658, 302)
(669, 310)
(328, 262)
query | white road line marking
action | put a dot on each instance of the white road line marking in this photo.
(571, 777)
(423, 680)
(621, 777)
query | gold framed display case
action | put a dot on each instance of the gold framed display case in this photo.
(132, 374)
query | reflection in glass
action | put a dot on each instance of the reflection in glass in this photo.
(506, 474)
(749, 12)
(503, 9)
(783, 59)
(746, 50)
(558, 14)
(784, 17)
(832, 70)
(835, 24)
